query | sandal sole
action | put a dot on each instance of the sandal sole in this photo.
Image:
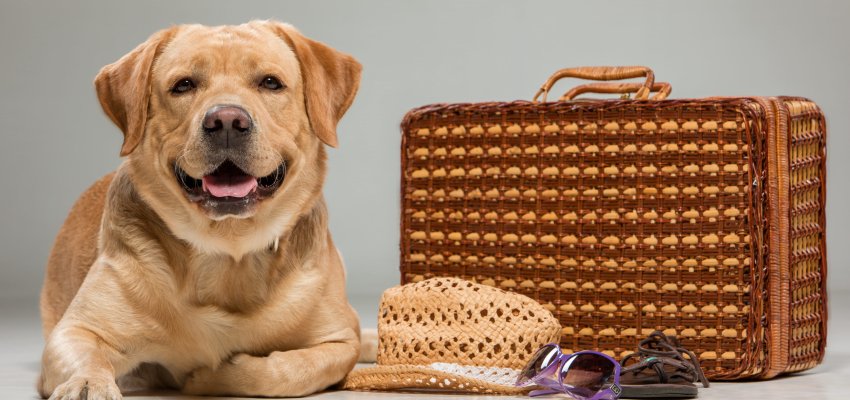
(658, 390)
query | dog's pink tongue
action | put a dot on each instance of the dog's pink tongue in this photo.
(229, 186)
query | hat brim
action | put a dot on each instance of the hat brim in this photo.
(419, 377)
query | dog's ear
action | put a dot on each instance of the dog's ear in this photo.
(330, 78)
(124, 88)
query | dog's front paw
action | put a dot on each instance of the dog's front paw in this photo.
(86, 388)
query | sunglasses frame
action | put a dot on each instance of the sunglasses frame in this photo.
(611, 392)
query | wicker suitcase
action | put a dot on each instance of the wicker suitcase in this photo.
(700, 217)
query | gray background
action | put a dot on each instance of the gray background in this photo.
(56, 141)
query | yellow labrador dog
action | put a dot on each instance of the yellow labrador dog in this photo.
(205, 262)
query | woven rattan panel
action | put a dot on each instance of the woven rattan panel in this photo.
(807, 158)
(620, 217)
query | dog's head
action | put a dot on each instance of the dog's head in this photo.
(223, 126)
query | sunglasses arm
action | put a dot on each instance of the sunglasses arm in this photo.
(543, 392)
(551, 387)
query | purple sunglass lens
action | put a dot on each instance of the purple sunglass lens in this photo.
(541, 359)
(586, 374)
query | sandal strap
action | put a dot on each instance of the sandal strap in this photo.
(658, 349)
(679, 369)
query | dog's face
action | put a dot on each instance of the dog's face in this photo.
(228, 115)
(225, 124)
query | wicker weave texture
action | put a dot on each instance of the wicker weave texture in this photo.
(453, 321)
(620, 217)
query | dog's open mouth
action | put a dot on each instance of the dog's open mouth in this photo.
(229, 189)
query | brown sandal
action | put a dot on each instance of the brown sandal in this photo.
(659, 369)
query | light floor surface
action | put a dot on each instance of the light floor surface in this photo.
(21, 343)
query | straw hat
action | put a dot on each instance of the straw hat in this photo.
(454, 335)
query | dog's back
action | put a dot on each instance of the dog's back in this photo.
(73, 253)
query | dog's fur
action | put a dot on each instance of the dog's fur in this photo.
(145, 286)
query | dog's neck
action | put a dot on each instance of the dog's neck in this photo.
(245, 284)
(216, 278)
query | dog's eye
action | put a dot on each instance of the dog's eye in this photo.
(182, 86)
(271, 83)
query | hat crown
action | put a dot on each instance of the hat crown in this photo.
(448, 320)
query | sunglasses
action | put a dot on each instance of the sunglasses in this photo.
(586, 375)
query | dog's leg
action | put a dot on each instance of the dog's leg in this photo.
(80, 359)
(280, 374)
(78, 364)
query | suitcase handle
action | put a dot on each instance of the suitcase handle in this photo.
(661, 89)
(601, 74)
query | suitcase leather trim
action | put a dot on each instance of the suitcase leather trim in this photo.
(778, 205)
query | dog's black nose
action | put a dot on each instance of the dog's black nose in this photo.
(227, 125)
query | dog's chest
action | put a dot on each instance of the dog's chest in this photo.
(209, 336)
(236, 308)
(239, 287)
